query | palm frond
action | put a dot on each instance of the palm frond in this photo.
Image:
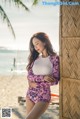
(35, 2)
(5, 17)
(20, 3)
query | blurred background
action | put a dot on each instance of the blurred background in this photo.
(38, 18)
(19, 20)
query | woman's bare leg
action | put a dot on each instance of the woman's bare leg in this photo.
(29, 105)
(38, 109)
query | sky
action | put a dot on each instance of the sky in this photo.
(41, 18)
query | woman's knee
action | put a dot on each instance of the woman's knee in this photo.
(41, 106)
(38, 110)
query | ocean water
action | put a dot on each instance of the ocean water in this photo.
(13, 61)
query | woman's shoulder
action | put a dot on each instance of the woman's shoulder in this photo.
(54, 56)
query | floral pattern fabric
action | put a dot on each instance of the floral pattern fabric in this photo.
(42, 91)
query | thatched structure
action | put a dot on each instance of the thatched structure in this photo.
(70, 61)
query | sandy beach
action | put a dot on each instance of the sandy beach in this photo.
(13, 86)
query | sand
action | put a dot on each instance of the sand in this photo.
(13, 86)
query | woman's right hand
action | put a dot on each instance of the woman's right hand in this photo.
(32, 84)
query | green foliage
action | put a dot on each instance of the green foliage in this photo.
(35, 2)
(5, 17)
(20, 3)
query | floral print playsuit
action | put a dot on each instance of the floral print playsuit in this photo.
(42, 91)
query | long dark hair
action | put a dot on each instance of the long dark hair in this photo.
(33, 53)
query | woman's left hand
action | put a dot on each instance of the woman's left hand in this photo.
(49, 78)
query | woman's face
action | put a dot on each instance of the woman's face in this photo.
(38, 45)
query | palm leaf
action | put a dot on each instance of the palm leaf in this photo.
(35, 2)
(20, 3)
(5, 17)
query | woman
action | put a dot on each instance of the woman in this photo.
(43, 71)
